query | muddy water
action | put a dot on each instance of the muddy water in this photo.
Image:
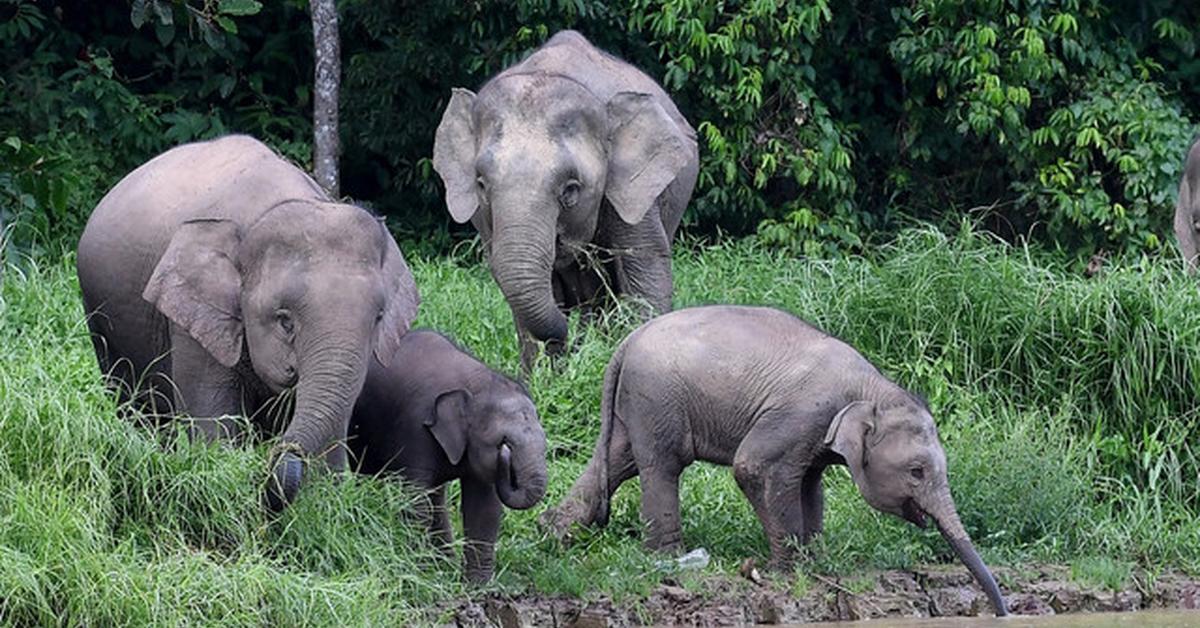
(1140, 619)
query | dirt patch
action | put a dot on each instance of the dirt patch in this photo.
(720, 600)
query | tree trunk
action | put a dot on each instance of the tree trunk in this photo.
(327, 82)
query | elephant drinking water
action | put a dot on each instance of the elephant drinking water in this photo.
(779, 400)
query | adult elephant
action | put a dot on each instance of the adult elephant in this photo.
(569, 155)
(1187, 209)
(218, 275)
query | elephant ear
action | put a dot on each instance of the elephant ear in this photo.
(847, 436)
(449, 423)
(197, 285)
(454, 155)
(402, 300)
(647, 149)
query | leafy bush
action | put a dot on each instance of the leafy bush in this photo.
(823, 125)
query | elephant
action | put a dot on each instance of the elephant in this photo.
(569, 157)
(217, 276)
(438, 414)
(778, 400)
(1187, 209)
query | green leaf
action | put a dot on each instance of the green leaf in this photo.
(229, 25)
(240, 7)
(13, 141)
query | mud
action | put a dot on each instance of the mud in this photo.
(920, 593)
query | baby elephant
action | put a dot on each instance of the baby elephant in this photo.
(438, 414)
(778, 399)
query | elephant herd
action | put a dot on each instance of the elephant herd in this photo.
(219, 279)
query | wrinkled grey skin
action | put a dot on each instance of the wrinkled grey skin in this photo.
(1187, 209)
(437, 414)
(779, 400)
(217, 275)
(567, 154)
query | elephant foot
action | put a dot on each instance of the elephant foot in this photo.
(284, 481)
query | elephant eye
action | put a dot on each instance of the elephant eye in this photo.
(284, 319)
(917, 472)
(378, 317)
(570, 194)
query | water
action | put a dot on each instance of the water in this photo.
(1139, 619)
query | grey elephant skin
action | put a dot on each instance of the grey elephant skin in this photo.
(438, 414)
(779, 400)
(1187, 209)
(569, 157)
(218, 275)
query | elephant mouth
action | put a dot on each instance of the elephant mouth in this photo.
(914, 514)
(506, 464)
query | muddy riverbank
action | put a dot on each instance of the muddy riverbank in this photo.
(920, 593)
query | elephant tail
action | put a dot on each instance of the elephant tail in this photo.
(608, 419)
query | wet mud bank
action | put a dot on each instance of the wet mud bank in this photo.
(921, 593)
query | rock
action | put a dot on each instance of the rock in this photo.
(589, 619)
(954, 601)
(505, 614)
(674, 593)
(1027, 604)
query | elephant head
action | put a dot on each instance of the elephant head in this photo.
(499, 436)
(309, 291)
(897, 462)
(531, 160)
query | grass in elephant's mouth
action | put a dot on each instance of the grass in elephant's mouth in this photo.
(1065, 405)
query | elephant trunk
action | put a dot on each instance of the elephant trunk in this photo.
(522, 259)
(331, 374)
(945, 515)
(521, 473)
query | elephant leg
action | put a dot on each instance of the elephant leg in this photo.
(812, 503)
(660, 508)
(439, 522)
(769, 466)
(206, 392)
(481, 516)
(642, 263)
(589, 500)
(527, 345)
(432, 515)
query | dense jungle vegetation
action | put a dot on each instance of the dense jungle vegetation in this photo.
(928, 180)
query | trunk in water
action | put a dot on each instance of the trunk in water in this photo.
(521, 484)
(327, 82)
(331, 376)
(522, 259)
(946, 517)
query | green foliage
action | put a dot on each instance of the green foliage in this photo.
(1067, 98)
(1102, 571)
(823, 126)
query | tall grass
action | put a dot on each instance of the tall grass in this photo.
(1065, 404)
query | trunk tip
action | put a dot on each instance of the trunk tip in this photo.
(284, 481)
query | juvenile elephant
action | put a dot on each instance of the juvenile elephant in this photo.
(217, 275)
(1187, 209)
(438, 414)
(778, 399)
(568, 154)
